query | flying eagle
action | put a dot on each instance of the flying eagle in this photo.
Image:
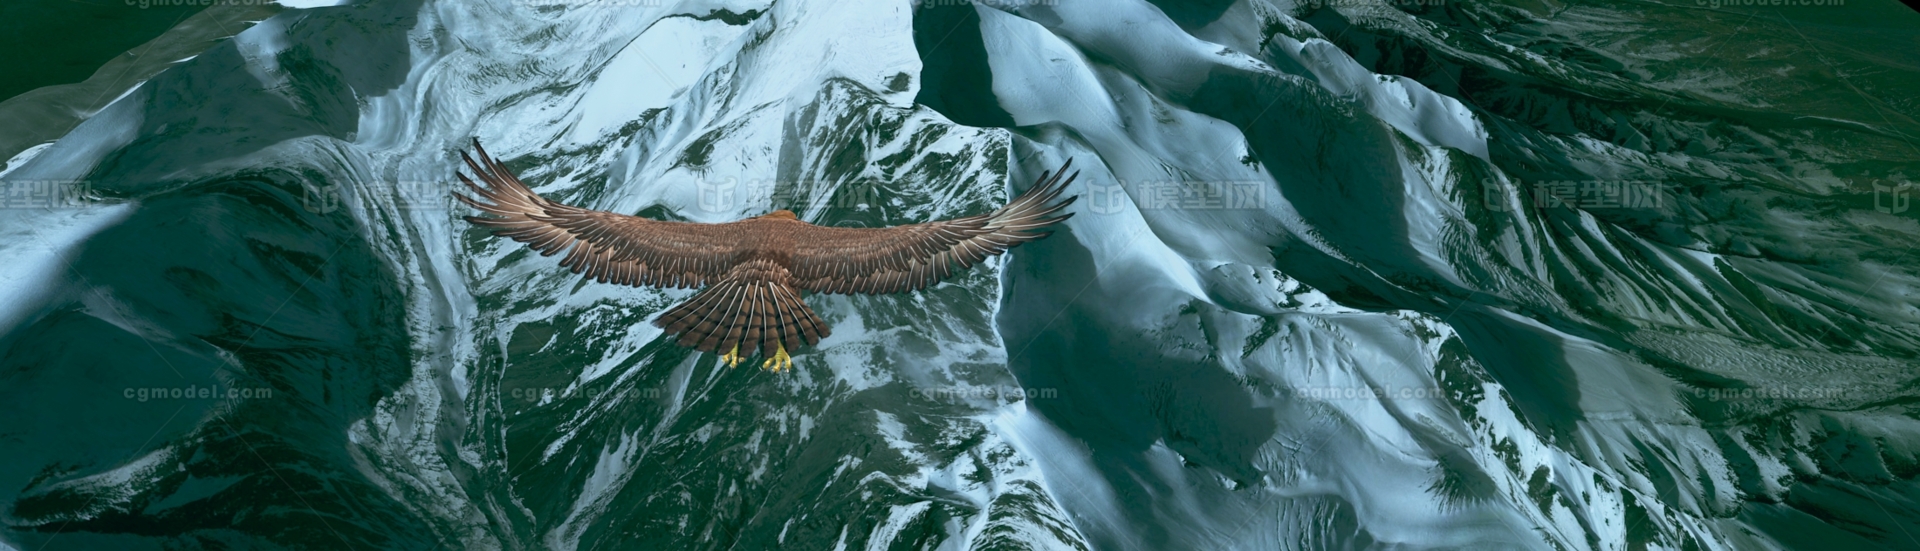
(753, 271)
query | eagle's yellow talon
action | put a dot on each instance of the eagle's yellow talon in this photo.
(780, 360)
(732, 358)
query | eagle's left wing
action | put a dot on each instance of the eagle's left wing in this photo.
(608, 247)
(903, 258)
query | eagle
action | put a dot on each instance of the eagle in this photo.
(752, 273)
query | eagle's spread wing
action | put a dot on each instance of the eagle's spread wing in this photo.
(751, 303)
(746, 306)
(608, 247)
(904, 258)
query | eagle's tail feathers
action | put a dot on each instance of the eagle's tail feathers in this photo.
(758, 316)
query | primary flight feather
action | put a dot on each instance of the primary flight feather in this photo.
(754, 271)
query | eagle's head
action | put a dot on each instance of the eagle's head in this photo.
(782, 213)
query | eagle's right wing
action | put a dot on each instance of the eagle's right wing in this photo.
(608, 247)
(903, 258)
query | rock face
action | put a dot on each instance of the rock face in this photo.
(1398, 275)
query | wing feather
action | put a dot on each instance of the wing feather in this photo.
(904, 258)
(605, 246)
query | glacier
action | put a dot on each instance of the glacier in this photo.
(1325, 288)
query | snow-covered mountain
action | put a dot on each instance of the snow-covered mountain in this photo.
(1361, 274)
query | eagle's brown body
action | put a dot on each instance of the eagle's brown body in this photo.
(754, 270)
